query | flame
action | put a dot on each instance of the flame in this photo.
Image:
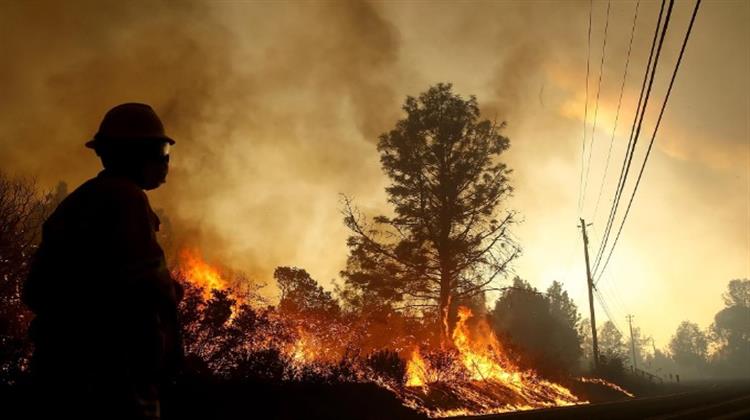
(493, 384)
(478, 359)
(207, 278)
(473, 376)
(304, 348)
(200, 273)
(416, 370)
(606, 383)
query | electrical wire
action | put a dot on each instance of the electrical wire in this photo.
(634, 131)
(585, 109)
(656, 128)
(617, 113)
(596, 107)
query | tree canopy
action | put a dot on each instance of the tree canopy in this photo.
(689, 345)
(22, 210)
(446, 239)
(301, 294)
(541, 326)
(731, 330)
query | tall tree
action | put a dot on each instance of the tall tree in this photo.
(542, 326)
(446, 239)
(566, 338)
(301, 294)
(562, 306)
(643, 347)
(522, 315)
(731, 330)
(689, 346)
(611, 343)
(737, 294)
(613, 352)
(22, 211)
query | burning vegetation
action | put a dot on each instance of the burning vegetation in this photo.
(409, 323)
(476, 376)
(307, 337)
(407, 317)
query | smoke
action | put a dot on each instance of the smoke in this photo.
(271, 108)
(276, 108)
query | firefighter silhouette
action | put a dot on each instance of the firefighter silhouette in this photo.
(105, 329)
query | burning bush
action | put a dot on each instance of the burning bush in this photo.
(309, 339)
(388, 365)
(22, 210)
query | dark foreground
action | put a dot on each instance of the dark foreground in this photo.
(726, 400)
(267, 401)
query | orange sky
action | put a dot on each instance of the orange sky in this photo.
(277, 107)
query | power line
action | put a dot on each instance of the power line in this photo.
(585, 110)
(616, 294)
(617, 113)
(656, 128)
(614, 312)
(633, 139)
(596, 108)
(631, 143)
(608, 312)
(605, 307)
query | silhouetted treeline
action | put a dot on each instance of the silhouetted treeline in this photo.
(723, 349)
(541, 326)
(23, 209)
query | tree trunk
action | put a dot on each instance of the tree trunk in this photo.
(444, 310)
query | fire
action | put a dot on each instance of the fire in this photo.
(416, 370)
(480, 359)
(206, 277)
(492, 382)
(200, 273)
(474, 375)
(304, 348)
(607, 384)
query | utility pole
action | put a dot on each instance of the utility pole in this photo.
(590, 284)
(632, 342)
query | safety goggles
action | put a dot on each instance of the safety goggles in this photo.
(158, 151)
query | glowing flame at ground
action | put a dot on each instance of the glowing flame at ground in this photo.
(491, 382)
(416, 370)
(607, 384)
(472, 375)
(481, 359)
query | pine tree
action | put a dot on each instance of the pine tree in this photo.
(446, 240)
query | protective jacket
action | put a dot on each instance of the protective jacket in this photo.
(105, 304)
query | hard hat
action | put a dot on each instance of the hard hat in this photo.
(129, 122)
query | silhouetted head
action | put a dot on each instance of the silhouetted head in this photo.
(131, 142)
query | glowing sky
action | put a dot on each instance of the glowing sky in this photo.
(277, 107)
